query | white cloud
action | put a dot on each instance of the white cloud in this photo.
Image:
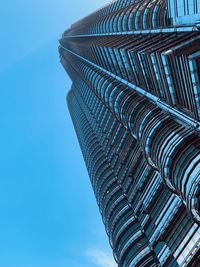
(101, 258)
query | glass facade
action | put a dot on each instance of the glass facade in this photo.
(135, 105)
(184, 12)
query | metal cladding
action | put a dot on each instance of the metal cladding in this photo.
(135, 105)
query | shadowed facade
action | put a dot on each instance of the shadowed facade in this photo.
(135, 105)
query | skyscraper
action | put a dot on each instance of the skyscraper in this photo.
(135, 105)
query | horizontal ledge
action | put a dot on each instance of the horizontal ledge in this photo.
(163, 30)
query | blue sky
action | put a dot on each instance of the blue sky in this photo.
(48, 213)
